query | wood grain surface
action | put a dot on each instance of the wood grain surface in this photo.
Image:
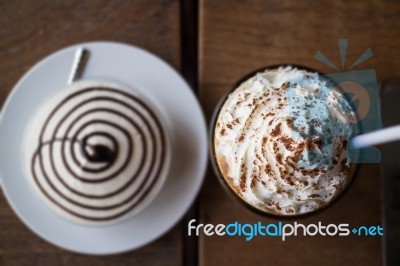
(31, 30)
(390, 155)
(237, 37)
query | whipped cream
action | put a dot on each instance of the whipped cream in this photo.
(281, 141)
(97, 152)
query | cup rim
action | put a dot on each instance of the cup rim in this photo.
(354, 167)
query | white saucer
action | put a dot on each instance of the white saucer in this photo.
(165, 88)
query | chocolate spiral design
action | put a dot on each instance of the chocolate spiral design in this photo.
(100, 153)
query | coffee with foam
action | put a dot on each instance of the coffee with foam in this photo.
(97, 152)
(265, 139)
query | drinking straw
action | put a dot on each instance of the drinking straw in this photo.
(380, 136)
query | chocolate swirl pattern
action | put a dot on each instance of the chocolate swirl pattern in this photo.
(97, 153)
(262, 144)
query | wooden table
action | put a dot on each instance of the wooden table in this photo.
(234, 37)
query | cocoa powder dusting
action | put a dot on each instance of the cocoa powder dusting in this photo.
(279, 158)
(288, 142)
(264, 141)
(242, 183)
(268, 169)
(276, 131)
(344, 168)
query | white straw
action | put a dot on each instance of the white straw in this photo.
(77, 65)
(377, 137)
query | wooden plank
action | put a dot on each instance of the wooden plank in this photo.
(391, 155)
(30, 30)
(238, 37)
